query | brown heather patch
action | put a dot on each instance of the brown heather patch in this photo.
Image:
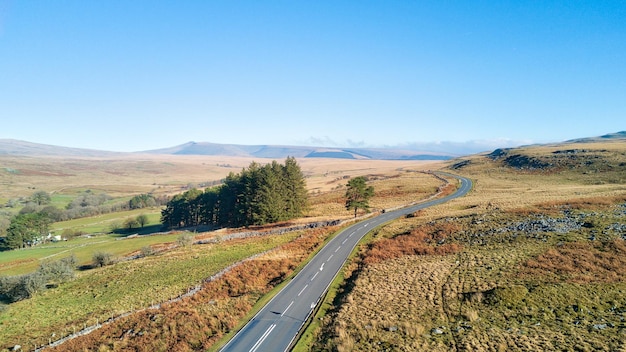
(424, 240)
(579, 262)
(447, 189)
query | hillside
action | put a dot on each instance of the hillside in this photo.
(531, 259)
(15, 147)
(21, 148)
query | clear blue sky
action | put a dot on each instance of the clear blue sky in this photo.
(137, 75)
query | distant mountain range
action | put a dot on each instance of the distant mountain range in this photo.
(278, 151)
(23, 148)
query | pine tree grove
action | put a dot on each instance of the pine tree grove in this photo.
(256, 196)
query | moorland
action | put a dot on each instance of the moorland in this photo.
(531, 259)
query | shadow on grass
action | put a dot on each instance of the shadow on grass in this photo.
(146, 230)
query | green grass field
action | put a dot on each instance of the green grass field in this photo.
(102, 223)
(27, 260)
(98, 294)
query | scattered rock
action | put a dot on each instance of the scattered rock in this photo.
(436, 331)
(460, 164)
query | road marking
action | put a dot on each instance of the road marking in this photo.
(286, 309)
(336, 250)
(322, 267)
(329, 258)
(365, 225)
(313, 278)
(351, 234)
(344, 241)
(263, 337)
(304, 288)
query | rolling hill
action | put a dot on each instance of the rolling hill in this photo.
(23, 148)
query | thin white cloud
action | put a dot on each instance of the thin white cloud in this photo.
(445, 147)
(464, 148)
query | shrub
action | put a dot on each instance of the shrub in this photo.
(131, 223)
(101, 259)
(71, 233)
(59, 271)
(147, 251)
(115, 226)
(17, 288)
(184, 240)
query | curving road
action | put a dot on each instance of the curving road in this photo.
(275, 327)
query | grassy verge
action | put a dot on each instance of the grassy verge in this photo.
(99, 294)
(308, 336)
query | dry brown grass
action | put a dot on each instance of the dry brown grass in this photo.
(396, 189)
(117, 176)
(504, 291)
(164, 174)
(394, 304)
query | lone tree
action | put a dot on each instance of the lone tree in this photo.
(41, 198)
(358, 194)
(142, 220)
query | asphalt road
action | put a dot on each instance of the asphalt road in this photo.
(276, 326)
